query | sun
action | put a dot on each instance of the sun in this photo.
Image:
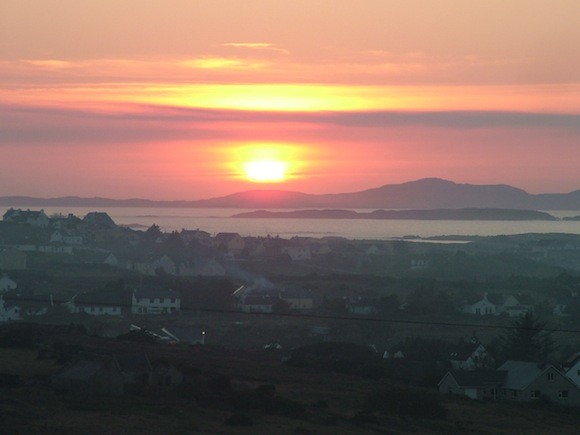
(266, 171)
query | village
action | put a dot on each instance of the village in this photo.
(300, 301)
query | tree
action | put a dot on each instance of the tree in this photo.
(527, 340)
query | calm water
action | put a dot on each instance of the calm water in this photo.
(219, 220)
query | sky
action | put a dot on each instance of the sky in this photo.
(191, 99)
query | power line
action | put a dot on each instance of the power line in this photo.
(322, 317)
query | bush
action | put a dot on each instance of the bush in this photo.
(239, 420)
(405, 401)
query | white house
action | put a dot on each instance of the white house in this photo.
(98, 303)
(482, 307)
(66, 237)
(155, 301)
(8, 312)
(7, 284)
(297, 253)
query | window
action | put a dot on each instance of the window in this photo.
(535, 394)
(563, 394)
(550, 376)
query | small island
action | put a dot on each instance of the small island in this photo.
(464, 214)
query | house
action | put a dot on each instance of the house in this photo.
(69, 222)
(481, 307)
(6, 284)
(510, 305)
(152, 267)
(166, 375)
(99, 219)
(297, 253)
(136, 369)
(9, 311)
(30, 217)
(100, 303)
(572, 367)
(361, 306)
(519, 381)
(529, 381)
(232, 242)
(199, 236)
(298, 299)
(475, 384)
(12, 259)
(86, 377)
(55, 249)
(202, 267)
(155, 301)
(470, 355)
(257, 303)
(66, 237)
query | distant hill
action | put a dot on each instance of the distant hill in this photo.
(427, 193)
(484, 214)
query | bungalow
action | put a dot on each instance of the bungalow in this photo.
(478, 384)
(102, 303)
(155, 301)
(256, 303)
(298, 299)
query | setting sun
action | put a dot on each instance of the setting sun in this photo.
(266, 171)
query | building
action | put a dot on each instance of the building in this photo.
(479, 385)
(100, 303)
(30, 217)
(529, 381)
(519, 381)
(154, 301)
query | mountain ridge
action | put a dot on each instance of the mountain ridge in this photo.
(425, 193)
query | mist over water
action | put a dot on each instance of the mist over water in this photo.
(218, 220)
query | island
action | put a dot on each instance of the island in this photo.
(464, 214)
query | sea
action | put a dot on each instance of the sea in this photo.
(220, 220)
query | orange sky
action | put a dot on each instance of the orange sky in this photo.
(169, 100)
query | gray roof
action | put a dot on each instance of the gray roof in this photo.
(478, 378)
(156, 294)
(101, 298)
(520, 374)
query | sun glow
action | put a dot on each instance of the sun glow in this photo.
(266, 171)
(267, 162)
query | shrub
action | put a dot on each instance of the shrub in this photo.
(405, 401)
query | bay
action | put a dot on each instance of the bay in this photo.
(219, 220)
